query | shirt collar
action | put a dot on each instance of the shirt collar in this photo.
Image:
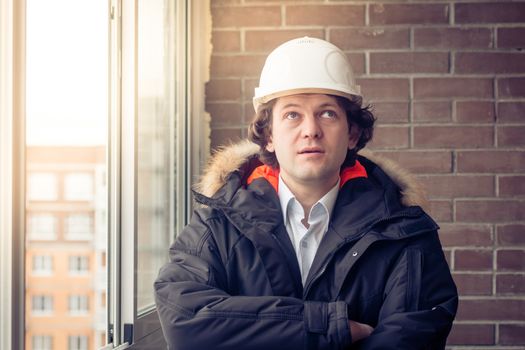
(327, 201)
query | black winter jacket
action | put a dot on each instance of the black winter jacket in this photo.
(233, 281)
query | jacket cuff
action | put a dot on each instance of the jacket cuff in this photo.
(329, 320)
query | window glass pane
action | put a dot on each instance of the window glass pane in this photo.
(66, 187)
(156, 134)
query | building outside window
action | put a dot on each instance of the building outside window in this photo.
(77, 342)
(78, 264)
(79, 227)
(42, 305)
(42, 342)
(42, 265)
(42, 186)
(42, 227)
(78, 304)
(78, 186)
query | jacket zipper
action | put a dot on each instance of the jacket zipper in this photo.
(404, 214)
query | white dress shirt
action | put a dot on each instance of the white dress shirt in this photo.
(306, 240)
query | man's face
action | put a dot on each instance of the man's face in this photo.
(310, 138)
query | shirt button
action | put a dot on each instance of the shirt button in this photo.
(304, 244)
(354, 253)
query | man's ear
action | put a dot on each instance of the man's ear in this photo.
(269, 146)
(354, 134)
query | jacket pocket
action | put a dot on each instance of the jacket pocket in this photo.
(413, 285)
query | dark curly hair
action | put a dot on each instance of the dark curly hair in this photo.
(260, 128)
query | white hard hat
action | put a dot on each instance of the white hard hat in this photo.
(306, 65)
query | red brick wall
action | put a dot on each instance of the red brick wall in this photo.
(447, 79)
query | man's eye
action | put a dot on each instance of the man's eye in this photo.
(328, 114)
(291, 115)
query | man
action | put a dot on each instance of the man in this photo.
(301, 243)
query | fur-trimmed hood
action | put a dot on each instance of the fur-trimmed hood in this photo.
(230, 158)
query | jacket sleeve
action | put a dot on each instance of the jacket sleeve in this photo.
(196, 312)
(420, 301)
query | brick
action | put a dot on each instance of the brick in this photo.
(390, 137)
(511, 186)
(453, 186)
(385, 89)
(267, 40)
(325, 15)
(490, 210)
(489, 62)
(226, 41)
(473, 283)
(511, 234)
(224, 113)
(408, 13)
(453, 88)
(249, 112)
(246, 16)
(221, 137)
(236, 66)
(491, 309)
(448, 256)
(370, 38)
(491, 161)
(441, 210)
(511, 260)
(478, 260)
(512, 334)
(391, 112)
(471, 334)
(422, 162)
(510, 283)
(496, 12)
(475, 112)
(453, 38)
(249, 88)
(453, 136)
(409, 62)
(432, 111)
(511, 136)
(223, 89)
(511, 87)
(511, 38)
(511, 112)
(459, 235)
(357, 60)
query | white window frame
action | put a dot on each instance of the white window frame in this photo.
(70, 193)
(121, 305)
(35, 223)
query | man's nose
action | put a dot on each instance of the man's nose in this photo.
(311, 127)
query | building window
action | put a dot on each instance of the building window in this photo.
(42, 187)
(42, 305)
(78, 187)
(42, 227)
(77, 342)
(79, 227)
(42, 265)
(78, 304)
(78, 264)
(41, 342)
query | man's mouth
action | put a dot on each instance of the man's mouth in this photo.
(310, 150)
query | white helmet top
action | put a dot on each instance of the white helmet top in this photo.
(306, 65)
